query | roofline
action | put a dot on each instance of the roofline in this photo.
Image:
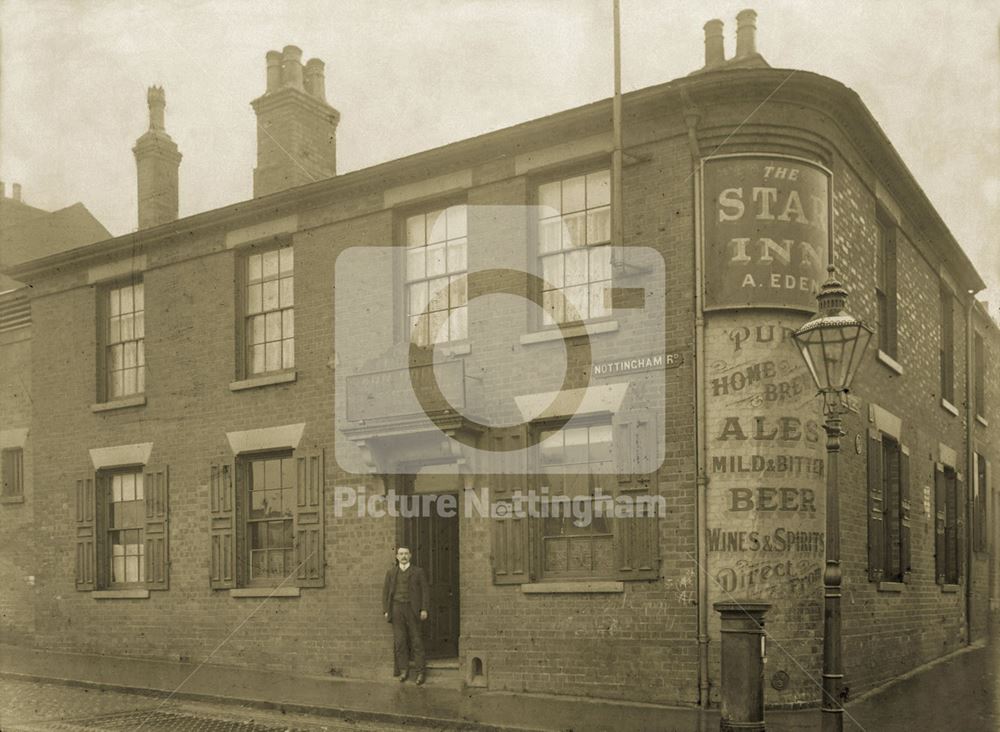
(844, 104)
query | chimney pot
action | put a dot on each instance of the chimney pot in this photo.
(273, 71)
(715, 49)
(746, 32)
(291, 67)
(157, 101)
(16, 191)
(315, 79)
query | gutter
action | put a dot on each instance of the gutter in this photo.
(691, 119)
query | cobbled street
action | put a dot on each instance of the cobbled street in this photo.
(31, 706)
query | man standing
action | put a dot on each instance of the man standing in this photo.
(405, 598)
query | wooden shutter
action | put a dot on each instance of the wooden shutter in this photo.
(511, 553)
(310, 548)
(222, 533)
(876, 508)
(940, 488)
(904, 512)
(86, 534)
(959, 528)
(157, 533)
(637, 541)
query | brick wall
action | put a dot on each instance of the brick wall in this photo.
(17, 620)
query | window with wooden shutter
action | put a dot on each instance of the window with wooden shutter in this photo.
(637, 537)
(940, 490)
(905, 552)
(310, 555)
(86, 534)
(12, 467)
(157, 532)
(958, 522)
(876, 531)
(222, 531)
(511, 538)
(576, 471)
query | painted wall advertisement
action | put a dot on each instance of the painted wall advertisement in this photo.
(766, 231)
(766, 463)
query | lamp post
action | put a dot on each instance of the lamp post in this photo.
(832, 345)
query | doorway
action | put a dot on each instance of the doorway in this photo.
(433, 541)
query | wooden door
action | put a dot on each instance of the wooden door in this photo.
(433, 541)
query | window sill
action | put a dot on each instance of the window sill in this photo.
(949, 407)
(134, 401)
(450, 350)
(282, 377)
(573, 331)
(951, 589)
(891, 586)
(265, 592)
(11, 499)
(551, 588)
(120, 594)
(982, 420)
(888, 361)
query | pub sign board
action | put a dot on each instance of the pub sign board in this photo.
(766, 232)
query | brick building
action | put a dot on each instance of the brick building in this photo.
(26, 232)
(206, 390)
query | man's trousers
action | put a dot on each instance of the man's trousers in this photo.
(406, 637)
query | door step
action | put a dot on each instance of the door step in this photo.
(443, 664)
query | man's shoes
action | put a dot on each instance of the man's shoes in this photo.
(404, 676)
(421, 678)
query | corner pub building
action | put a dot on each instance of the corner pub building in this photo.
(199, 402)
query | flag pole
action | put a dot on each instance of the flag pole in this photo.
(617, 197)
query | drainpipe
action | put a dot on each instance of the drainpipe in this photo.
(970, 417)
(691, 118)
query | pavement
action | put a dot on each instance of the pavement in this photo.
(71, 692)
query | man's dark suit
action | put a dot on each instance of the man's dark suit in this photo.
(405, 616)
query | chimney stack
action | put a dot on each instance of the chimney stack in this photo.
(715, 49)
(157, 161)
(16, 192)
(746, 32)
(296, 126)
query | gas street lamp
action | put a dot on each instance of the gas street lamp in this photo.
(832, 345)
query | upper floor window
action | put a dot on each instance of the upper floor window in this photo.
(947, 344)
(124, 347)
(885, 288)
(12, 467)
(979, 374)
(436, 264)
(269, 311)
(980, 494)
(574, 246)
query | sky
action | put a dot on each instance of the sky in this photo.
(409, 75)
